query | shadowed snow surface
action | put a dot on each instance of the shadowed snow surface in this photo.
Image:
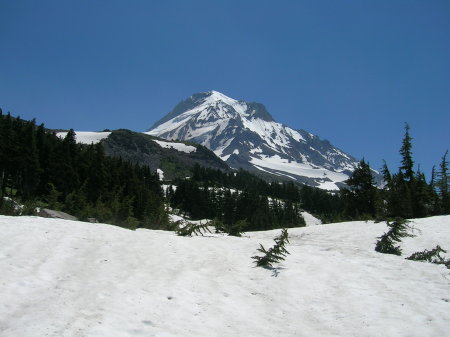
(68, 278)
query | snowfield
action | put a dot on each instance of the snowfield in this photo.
(87, 137)
(177, 146)
(67, 278)
(283, 166)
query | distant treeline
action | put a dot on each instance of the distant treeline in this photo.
(252, 210)
(235, 196)
(37, 168)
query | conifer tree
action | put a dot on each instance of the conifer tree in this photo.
(407, 162)
(274, 254)
(433, 177)
(398, 229)
(362, 196)
(432, 256)
(443, 185)
(386, 173)
(229, 208)
(30, 163)
(406, 193)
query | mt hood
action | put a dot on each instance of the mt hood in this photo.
(245, 135)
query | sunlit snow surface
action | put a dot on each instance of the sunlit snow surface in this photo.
(65, 278)
(221, 103)
(92, 137)
(177, 146)
(87, 137)
(160, 174)
(282, 166)
(310, 220)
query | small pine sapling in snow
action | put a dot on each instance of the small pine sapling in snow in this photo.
(234, 229)
(432, 256)
(275, 254)
(188, 229)
(398, 230)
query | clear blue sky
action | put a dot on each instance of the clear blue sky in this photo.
(349, 71)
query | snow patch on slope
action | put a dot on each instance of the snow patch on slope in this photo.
(86, 137)
(177, 146)
(310, 219)
(272, 133)
(284, 165)
(160, 174)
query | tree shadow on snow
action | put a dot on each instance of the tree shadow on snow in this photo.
(275, 270)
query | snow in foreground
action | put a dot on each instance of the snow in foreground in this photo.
(67, 278)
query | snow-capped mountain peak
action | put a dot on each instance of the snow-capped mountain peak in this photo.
(215, 96)
(245, 135)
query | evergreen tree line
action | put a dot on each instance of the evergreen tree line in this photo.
(326, 205)
(405, 194)
(245, 181)
(247, 209)
(39, 168)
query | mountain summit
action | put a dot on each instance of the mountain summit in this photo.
(245, 135)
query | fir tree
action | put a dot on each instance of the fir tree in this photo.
(432, 256)
(275, 254)
(30, 163)
(362, 196)
(398, 229)
(443, 186)
(386, 173)
(405, 151)
(53, 198)
(406, 193)
(433, 177)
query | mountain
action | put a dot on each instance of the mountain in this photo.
(245, 135)
(171, 159)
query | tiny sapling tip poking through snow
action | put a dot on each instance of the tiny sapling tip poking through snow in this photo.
(275, 254)
(398, 230)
